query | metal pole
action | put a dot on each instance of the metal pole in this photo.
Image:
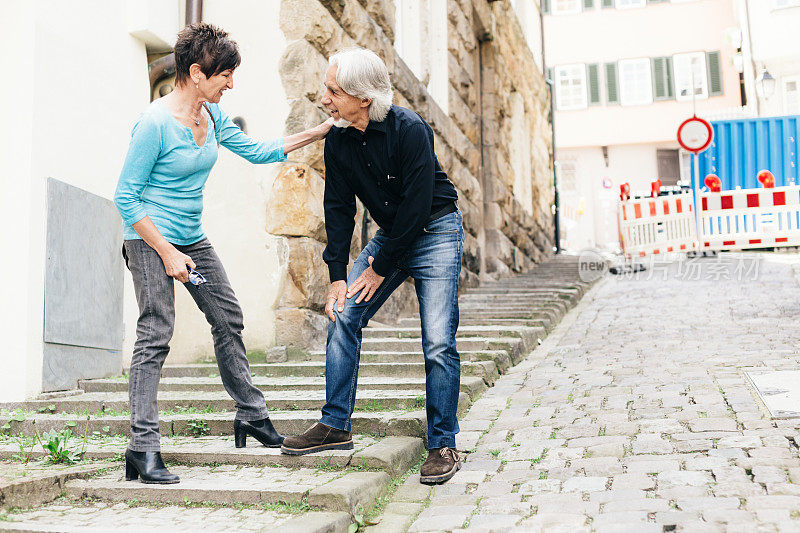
(557, 208)
(696, 193)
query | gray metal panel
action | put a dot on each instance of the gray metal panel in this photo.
(65, 365)
(84, 269)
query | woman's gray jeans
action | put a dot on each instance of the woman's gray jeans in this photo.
(155, 293)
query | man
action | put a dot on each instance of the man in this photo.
(383, 154)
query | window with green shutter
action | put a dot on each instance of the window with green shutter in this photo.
(588, 4)
(714, 73)
(545, 5)
(608, 3)
(612, 91)
(593, 83)
(663, 88)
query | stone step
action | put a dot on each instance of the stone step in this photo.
(379, 423)
(228, 485)
(99, 402)
(529, 335)
(485, 369)
(468, 344)
(510, 301)
(389, 454)
(65, 515)
(545, 323)
(562, 306)
(500, 357)
(469, 384)
(553, 314)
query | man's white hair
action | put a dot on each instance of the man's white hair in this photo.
(361, 73)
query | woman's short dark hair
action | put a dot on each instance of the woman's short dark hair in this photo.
(206, 45)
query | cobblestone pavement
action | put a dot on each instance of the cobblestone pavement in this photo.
(635, 414)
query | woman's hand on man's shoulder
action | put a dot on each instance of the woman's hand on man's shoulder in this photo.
(324, 128)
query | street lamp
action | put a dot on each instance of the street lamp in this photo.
(765, 84)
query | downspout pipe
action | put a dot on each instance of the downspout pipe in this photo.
(164, 67)
(556, 201)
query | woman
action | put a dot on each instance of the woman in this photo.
(173, 147)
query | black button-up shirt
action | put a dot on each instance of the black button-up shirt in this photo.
(392, 168)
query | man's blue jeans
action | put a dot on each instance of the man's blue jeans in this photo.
(434, 262)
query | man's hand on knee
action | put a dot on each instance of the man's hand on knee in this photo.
(336, 295)
(369, 281)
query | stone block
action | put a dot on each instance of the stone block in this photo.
(307, 275)
(394, 455)
(350, 491)
(303, 328)
(302, 69)
(295, 204)
(320, 522)
(412, 491)
(309, 20)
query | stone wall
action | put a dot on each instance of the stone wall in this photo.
(488, 61)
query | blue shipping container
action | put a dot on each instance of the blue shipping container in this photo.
(742, 148)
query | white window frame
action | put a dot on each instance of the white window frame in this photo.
(630, 4)
(791, 108)
(565, 7)
(568, 174)
(635, 91)
(784, 4)
(575, 72)
(682, 75)
(685, 159)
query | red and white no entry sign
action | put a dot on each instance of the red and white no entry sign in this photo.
(695, 134)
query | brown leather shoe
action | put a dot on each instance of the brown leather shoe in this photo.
(441, 465)
(317, 438)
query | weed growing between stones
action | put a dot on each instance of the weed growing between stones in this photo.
(394, 484)
(536, 460)
(197, 428)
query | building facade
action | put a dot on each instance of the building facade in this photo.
(82, 67)
(626, 73)
(769, 30)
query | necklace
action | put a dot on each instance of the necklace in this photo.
(197, 120)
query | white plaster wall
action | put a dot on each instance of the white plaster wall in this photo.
(776, 47)
(20, 327)
(79, 87)
(597, 226)
(604, 35)
(236, 194)
(774, 31)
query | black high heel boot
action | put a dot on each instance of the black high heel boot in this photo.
(149, 466)
(262, 430)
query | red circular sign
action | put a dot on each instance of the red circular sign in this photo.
(695, 134)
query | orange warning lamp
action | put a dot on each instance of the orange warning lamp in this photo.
(654, 188)
(713, 183)
(624, 191)
(767, 179)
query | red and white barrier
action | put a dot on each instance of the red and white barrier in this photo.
(749, 218)
(656, 225)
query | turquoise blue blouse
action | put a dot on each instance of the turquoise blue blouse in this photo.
(165, 170)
